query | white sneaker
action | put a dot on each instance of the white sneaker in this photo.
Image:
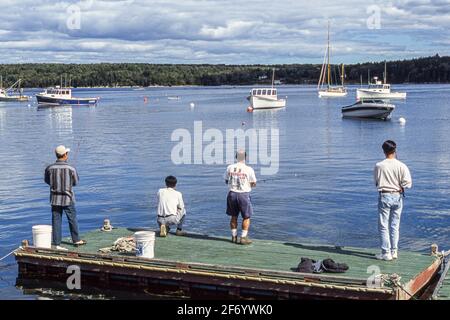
(394, 254)
(384, 256)
(60, 248)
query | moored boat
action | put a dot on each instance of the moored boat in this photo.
(368, 109)
(330, 91)
(62, 96)
(5, 94)
(265, 98)
(379, 90)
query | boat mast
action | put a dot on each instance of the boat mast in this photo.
(385, 72)
(342, 76)
(328, 57)
(273, 76)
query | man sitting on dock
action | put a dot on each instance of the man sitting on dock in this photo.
(62, 177)
(391, 178)
(171, 210)
(240, 179)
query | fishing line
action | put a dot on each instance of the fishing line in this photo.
(7, 255)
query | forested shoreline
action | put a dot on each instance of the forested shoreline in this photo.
(433, 69)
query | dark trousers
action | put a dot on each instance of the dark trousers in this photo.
(71, 214)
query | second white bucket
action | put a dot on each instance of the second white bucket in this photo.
(42, 236)
(145, 244)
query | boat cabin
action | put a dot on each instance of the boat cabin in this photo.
(264, 92)
(59, 92)
(377, 84)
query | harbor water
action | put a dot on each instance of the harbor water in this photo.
(323, 191)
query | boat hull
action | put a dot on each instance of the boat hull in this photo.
(368, 94)
(332, 94)
(65, 101)
(368, 111)
(14, 98)
(265, 103)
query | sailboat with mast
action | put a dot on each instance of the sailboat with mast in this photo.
(265, 98)
(8, 94)
(325, 87)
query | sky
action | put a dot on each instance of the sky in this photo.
(221, 31)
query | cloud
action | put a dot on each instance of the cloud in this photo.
(219, 31)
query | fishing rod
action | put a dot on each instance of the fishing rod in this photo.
(296, 175)
(77, 150)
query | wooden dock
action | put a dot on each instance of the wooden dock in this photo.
(206, 266)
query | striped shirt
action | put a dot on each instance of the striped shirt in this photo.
(61, 177)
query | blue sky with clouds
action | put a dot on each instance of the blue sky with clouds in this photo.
(221, 31)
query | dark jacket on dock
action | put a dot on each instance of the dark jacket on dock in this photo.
(61, 177)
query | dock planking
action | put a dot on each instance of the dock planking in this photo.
(280, 258)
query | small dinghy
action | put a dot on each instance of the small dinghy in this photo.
(368, 109)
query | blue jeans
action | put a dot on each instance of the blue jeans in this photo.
(389, 210)
(71, 214)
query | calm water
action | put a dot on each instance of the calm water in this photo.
(323, 191)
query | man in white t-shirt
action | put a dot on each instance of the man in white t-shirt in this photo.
(171, 210)
(391, 178)
(240, 179)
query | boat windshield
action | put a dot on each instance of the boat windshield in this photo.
(264, 92)
(58, 91)
(379, 86)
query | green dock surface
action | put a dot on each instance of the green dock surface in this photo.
(265, 254)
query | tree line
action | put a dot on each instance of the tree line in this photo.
(433, 69)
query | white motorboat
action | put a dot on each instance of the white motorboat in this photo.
(368, 109)
(265, 98)
(379, 90)
(330, 90)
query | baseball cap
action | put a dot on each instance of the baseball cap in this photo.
(61, 150)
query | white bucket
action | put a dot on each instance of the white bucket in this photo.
(42, 236)
(145, 244)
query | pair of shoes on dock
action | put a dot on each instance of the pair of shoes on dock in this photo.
(387, 256)
(244, 240)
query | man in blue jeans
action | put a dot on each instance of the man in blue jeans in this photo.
(391, 178)
(61, 177)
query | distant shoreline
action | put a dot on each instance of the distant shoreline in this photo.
(228, 85)
(433, 69)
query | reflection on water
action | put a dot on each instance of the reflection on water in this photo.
(266, 118)
(323, 192)
(59, 118)
(2, 117)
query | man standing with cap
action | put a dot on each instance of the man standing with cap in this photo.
(240, 179)
(391, 178)
(61, 177)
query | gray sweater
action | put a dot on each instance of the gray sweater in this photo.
(392, 175)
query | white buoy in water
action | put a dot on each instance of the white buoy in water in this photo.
(402, 120)
(192, 105)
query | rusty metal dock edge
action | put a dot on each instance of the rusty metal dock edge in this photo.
(283, 285)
